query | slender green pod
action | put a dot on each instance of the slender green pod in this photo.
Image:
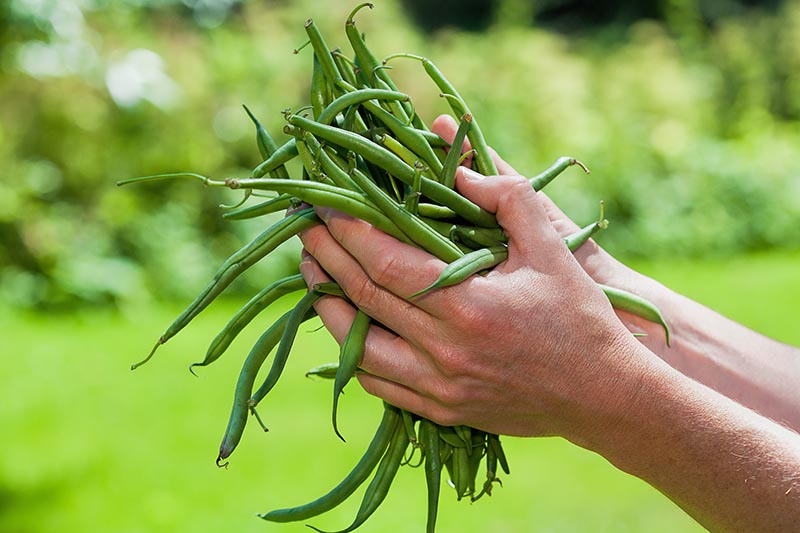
(266, 145)
(244, 387)
(477, 238)
(324, 371)
(301, 312)
(237, 263)
(627, 301)
(285, 153)
(539, 181)
(323, 53)
(345, 66)
(454, 155)
(413, 227)
(247, 313)
(320, 89)
(429, 437)
(350, 355)
(376, 449)
(483, 159)
(577, 239)
(355, 98)
(494, 441)
(384, 475)
(273, 205)
(466, 266)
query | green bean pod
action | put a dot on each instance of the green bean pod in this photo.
(494, 441)
(454, 155)
(413, 227)
(539, 181)
(246, 314)
(376, 449)
(355, 98)
(384, 475)
(627, 301)
(244, 387)
(320, 89)
(301, 312)
(273, 205)
(429, 436)
(237, 263)
(577, 239)
(465, 266)
(266, 145)
(282, 155)
(349, 358)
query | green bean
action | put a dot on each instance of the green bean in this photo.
(244, 387)
(539, 181)
(494, 442)
(266, 145)
(483, 159)
(396, 167)
(414, 228)
(429, 436)
(477, 238)
(329, 288)
(349, 358)
(247, 313)
(273, 205)
(411, 202)
(285, 153)
(398, 149)
(466, 266)
(357, 476)
(324, 371)
(324, 56)
(635, 304)
(454, 155)
(320, 89)
(237, 263)
(577, 239)
(384, 475)
(434, 211)
(448, 435)
(461, 472)
(345, 66)
(301, 312)
(355, 98)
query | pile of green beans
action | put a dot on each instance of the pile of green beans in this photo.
(365, 152)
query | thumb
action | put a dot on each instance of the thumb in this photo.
(519, 211)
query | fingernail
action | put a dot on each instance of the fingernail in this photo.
(470, 174)
(307, 270)
(323, 213)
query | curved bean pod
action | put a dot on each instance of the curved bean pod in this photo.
(349, 358)
(467, 265)
(627, 301)
(539, 181)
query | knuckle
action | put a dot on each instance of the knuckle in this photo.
(384, 269)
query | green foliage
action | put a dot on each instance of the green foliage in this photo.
(690, 130)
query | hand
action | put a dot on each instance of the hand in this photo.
(507, 353)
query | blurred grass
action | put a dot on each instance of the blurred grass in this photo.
(91, 446)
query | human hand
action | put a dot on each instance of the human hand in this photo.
(509, 352)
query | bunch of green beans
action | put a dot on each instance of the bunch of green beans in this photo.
(365, 152)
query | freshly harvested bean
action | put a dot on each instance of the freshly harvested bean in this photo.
(412, 198)
(384, 475)
(483, 159)
(324, 371)
(635, 304)
(413, 227)
(301, 312)
(273, 205)
(323, 53)
(577, 239)
(285, 153)
(244, 387)
(477, 238)
(427, 210)
(349, 358)
(494, 442)
(465, 266)
(376, 449)
(345, 66)
(266, 145)
(237, 263)
(396, 167)
(355, 98)
(454, 155)
(408, 423)
(320, 89)
(246, 314)
(539, 181)
(429, 437)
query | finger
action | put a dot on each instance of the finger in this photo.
(386, 355)
(381, 304)
(395, 266)
(531, 237)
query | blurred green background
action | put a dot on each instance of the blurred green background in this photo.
(686, 111)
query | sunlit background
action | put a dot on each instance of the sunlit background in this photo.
(686, 112)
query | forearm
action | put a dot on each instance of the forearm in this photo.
(739, 363)
(728, 467)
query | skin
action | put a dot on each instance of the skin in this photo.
(711, 422)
